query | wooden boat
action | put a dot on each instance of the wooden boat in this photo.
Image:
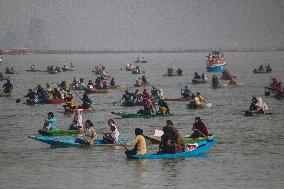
(44, 101)
(66, 69)
(136, 115)
(96, 90)
(29, 70)
(261, 71)
(131, 104)
(178, 99)
(255, 113)
(70, 141)
(199, 148)
(58, 132)
(2, 94)
(142, 85)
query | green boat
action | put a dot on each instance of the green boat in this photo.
(2, 94)
(58, 132)
(135, 115)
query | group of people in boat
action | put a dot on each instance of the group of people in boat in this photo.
(265, 68)
(199, 79)
(171, 141)
(170, 72)
(100, 70)
(215, 58)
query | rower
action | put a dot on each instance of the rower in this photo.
(233, 82)
(196, 75)
(199, 100)
(87, 103)
(147, 108)
(170, 72)
(89, 134)
(112, 83)
(215, 82)
(50, 122)
(163, 107)
(31, 95)
(70, 103)
(199, 129)
(7, 87)
(56, 94)
(127, 96)
(160, 94)
(171, 140)
(260, 68)
(186, 92)
(76, 121)
(111, 136)
(179, 72)
(144, 80)
(204, 77)
(41, 93)
(139, 142)
(62, 85)
(90, 84)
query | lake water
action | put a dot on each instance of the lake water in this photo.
(249, 152)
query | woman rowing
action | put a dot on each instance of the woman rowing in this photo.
(199, 129)
(139, 142)
(89, 134)
(111, 136)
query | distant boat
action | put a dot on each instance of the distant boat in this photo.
(216, 61)
(140, 61)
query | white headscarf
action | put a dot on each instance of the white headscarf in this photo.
(261, 105)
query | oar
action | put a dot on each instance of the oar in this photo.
(19, 99)
(151, 139)
(202, 134)
(124, 146)
(83, 100)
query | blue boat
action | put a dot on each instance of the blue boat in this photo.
(202, 147)
(70, 141)
(216, 61)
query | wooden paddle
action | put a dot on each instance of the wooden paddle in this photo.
(123, 146)
(151, 139)
(83, 100)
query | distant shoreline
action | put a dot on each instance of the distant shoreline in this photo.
(48, 51)
(146, 51)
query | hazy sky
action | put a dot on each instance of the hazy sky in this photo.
(141, 24)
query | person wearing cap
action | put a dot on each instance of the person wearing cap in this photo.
(199, 129)
(111, 136)
(50, 122)
(7, 87)
(139, 142)
(77, 121)
(89, 134)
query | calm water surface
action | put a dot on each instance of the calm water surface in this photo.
(249, 152)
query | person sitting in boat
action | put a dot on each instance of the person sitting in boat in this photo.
(144, 79)
(163, 107)
(185, 93)
(137, 70)
(90, 84)
(274, 83)
(215, 82)
(32, 67)
(75, 82)
(89, 134)
(71, 65)
(136, 97)
(196, 75)
(7, 87)
(77, 123)
(112, 83)
(1, 75)
(127, 96)
(98, 83)
(49, 88)
(171, 141)
(279, 88)
(148, 108)
(160, 94)
(57, 69)
(70, 103)
(139, 142)
(41, 93)
(138, 82)
(50, 122)
(8, 71)
(253, 106)
(261, 68)
(56, 94)
(31, 95)
(179, 72)
(268, 68)
(204, 77)
(111, 136)
(87, 103)
(261, 106)
(170, 72)
(146, 94)
(154, 92)
(199, 100)
(62, 85)
(199, 129)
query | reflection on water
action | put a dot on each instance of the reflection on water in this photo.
(248, 154)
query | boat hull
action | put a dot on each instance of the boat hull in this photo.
(2, 94)
(95, 90)
(203, 146)
(178, 99)
(70, 141)
(216, 68)
(58, 132)
(135, 115)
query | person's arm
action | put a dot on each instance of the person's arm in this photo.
(133, 142)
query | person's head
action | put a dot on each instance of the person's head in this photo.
(90, 81)
(88, 124)
(8, 81)
(110, 122)
(138, 131)
(50, 115)
(169, 123)
(197, 120)
(254, 100)
(186, 87)
(145, 90)
(197, 93)
(39, 86)
(137, 91)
